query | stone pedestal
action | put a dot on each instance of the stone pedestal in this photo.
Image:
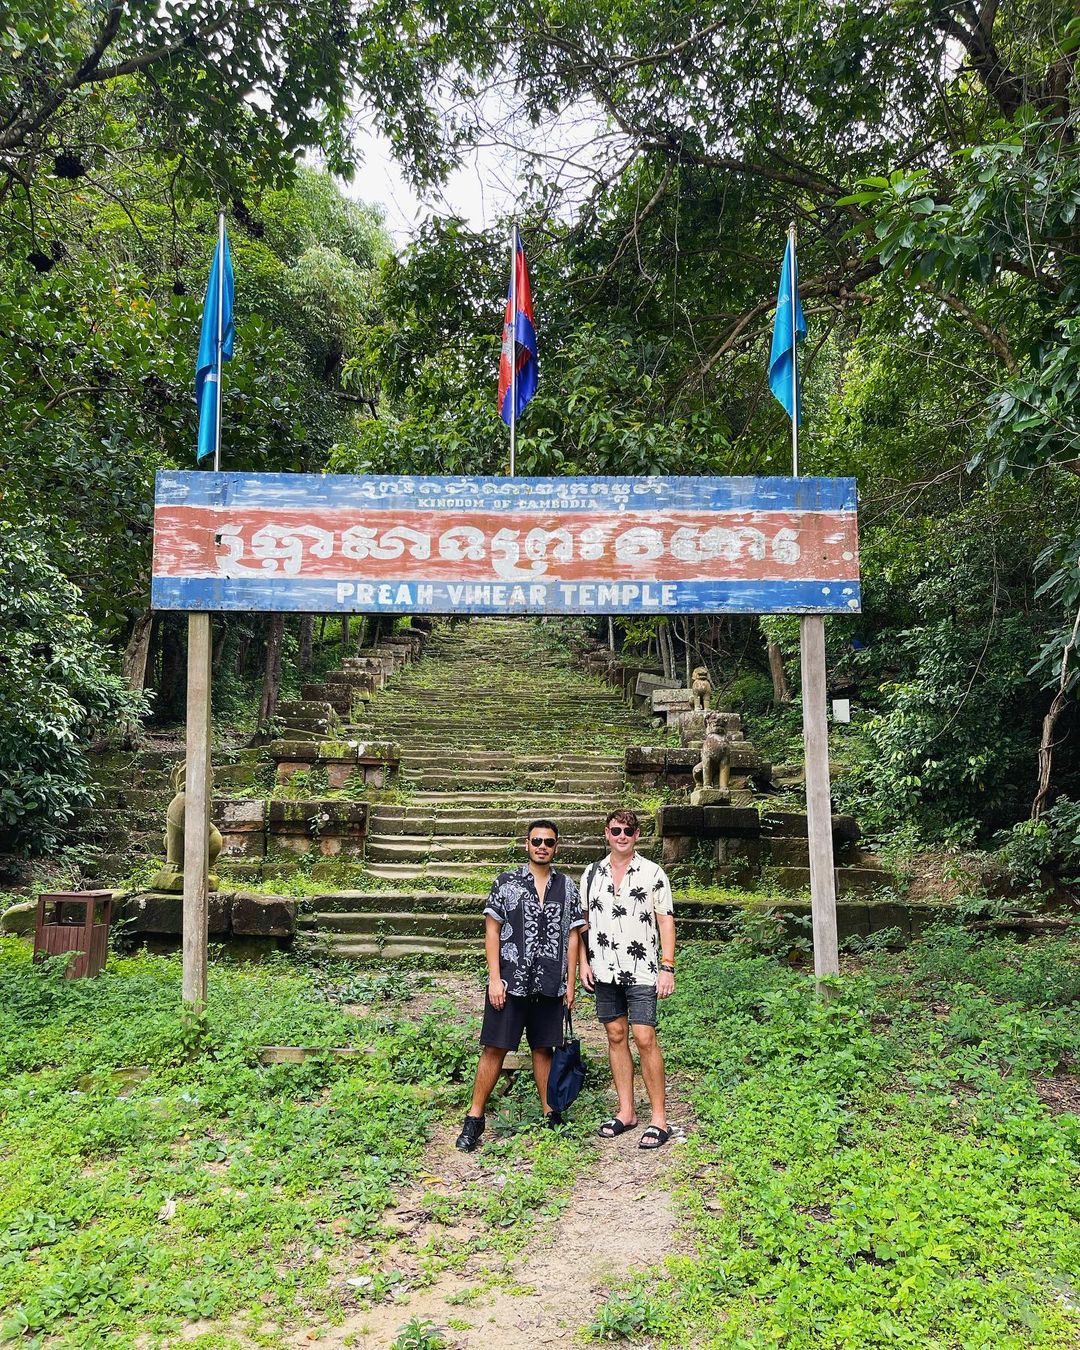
(710, 797)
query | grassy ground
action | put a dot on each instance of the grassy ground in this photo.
(212, 1184)
(155, 1176)
(877, 1171)
(881, 1170)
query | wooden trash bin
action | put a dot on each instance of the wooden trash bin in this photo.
(69, 921)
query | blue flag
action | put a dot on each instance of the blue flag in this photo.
(782, 363)
(208, 368)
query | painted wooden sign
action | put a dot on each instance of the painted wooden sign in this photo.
(329, 543)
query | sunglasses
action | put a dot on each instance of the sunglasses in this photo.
(537, 842)
(618, 830)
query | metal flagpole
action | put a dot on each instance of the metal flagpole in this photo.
(220, 335)
(794, 353)
(815, 723)
(513, 346)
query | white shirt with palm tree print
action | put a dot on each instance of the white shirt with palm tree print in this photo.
(623, 937)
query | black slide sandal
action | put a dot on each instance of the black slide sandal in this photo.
(611, 1129)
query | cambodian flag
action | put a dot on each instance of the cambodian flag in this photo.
(518, 339)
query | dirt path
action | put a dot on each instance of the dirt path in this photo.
(620, 1218)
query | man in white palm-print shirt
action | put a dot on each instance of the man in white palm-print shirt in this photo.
(628, 958)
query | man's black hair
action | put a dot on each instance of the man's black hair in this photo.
(543, 825)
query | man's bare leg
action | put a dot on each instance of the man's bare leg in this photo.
(622, 1068)
(541, 1067)
(652, 1071)
(487, 1075)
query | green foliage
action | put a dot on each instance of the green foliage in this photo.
(625, 1319)
(57, 689)
(1034, 849)
(876, 1169)
(206, 1185)
(418, 1334)
(952, 606)
(65, 67)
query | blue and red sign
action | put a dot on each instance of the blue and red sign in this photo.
(397, 545)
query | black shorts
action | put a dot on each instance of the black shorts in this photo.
(635, 1001)
(540, 1018)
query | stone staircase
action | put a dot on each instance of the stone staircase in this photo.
(401, 786)
(494, 730)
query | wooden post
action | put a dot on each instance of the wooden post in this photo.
(818, 796)
(197, 788)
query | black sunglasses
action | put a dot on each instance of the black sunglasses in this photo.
(537, 842)
(617, 830)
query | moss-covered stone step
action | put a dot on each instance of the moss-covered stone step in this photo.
(390, 948)
(453, 819)
(534, 802)
(405, 923)
(597, 760)
(478, 849)
(535, 780)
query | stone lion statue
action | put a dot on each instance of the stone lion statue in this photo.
(171, 876)
(714, 768)
(701, 688)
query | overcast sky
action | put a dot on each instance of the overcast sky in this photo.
(571, 149)
(479, 192)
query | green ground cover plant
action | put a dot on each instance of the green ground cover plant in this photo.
(205, 1185)
(878, 1170)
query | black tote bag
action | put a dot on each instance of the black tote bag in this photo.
(567, 1071)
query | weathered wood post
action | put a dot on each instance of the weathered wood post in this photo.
(197, 814)
(818, 796)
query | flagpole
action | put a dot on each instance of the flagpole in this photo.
(198, 774)
(815, 722)
(220, 336)
(513, 346)
(794, 352)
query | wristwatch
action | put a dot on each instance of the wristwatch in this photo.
(668, 966)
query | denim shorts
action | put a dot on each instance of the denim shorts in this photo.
(635, 1001)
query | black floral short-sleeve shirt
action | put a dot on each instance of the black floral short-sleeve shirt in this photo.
(534, 937)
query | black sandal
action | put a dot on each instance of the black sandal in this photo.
(611, 1129)
(653, 1132)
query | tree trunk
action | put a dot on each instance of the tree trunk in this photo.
(781, 690)
(272, 677)
(307, 628)
(610, 633)
(663, 640)
(1046, 751)
(137, 650)
(1066, 680)
(173, 678)
(218, 653)
(345, 638)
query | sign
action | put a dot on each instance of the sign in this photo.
(323, 543)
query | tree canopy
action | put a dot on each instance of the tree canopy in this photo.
(926, 154)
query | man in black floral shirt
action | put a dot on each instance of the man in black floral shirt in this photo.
(533, 920)
(628, 957)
